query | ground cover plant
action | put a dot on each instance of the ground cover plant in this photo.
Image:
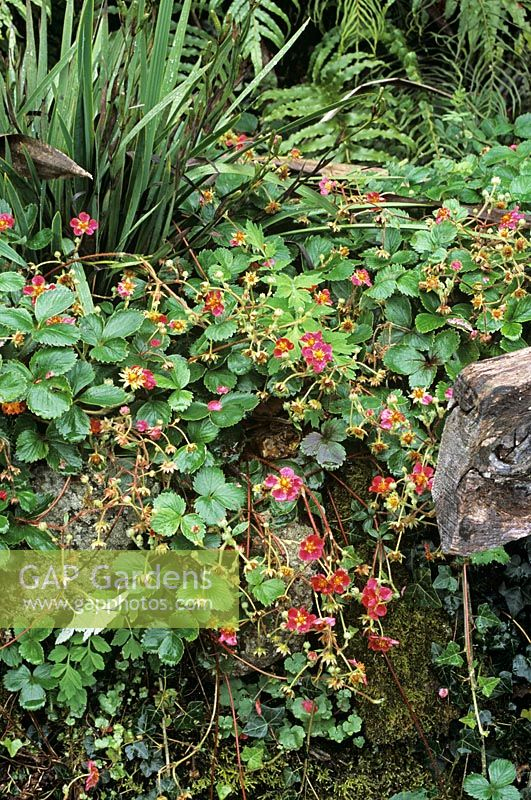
(244, 356)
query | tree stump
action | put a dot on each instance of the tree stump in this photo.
(482, 487)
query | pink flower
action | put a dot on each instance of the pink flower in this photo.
(142, 425)
(155, 342)
(285, 486)
(282, 347)
(228, 636)
(390, 418)
(324, 622)
(309, 706)
(513, 147)
(238, 239)
(37, 287)
(456, 265)
(214, 303)
(93, 776)
(322, 298)
(422, 477)
(311, 549)
(124, 410)
(155, 433)
(126, 287)
(441, 214)
(426, 399)
(443, 693)
(449, 393)
(268, 263)
(300, 620)
(361, 278)
(326, 186)
(222, 390)
(214, 405)
(316, 352)
(84, 224)
(381, 644)
(510, 220)
(6, 222)
(375, 598)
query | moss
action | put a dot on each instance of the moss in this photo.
(391, 721)
(357, 474)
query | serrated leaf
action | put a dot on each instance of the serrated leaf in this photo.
(31, 447)
(193, 529)
(177, 377)
(233, 409)
(168, 510)
(403, 359)
(268, 591)
(60, 334)
(425, 323)
(49, 398)
(11, 282)
(222, 331)
(53, 302)
(103, 396)
(113, 351)
(171, 649)
(73, 425)
(52, 360)
(13, 382)
(189, 460)
(16, 319)
(180, 400)
(122, 324)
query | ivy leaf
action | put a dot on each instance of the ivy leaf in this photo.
(450, 657)
(50, 398)
(256, 726)
(168, 510)
(31, 447)
(53, 302)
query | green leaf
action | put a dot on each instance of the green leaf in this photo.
(12, 746)
(113, 351)
(52, 360)
(398, 311)
(122, 324)
(291, 737)
(403, 359)
(177, 377)
(268, 591)
(522, 126)
(31, 447)
(11, 282)
(9, 254)
(168, 510)
(502, 773)
(16, 319)
(496, 555)
(445, 345)
(53, 302)
(60, 334)
(511, 331)
(193, 529)
(73, 425)
(451, 656)
(487, 685)
(31, 650)
(221, 331)
(209, 480)
(233, 409)
(180, 400)
(477, 786)
(103, 396)
(13, 382)
(425, 323)
(41, 239)
(50, 398)
(189, 460)
(171, 649)
(486, 618)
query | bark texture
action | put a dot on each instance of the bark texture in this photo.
(482, 487)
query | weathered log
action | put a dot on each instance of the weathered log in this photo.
(482, 487)
(49, 162)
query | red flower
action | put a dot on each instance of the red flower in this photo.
(316, 352)
(282, 346)
(322, 298)
(375, 597)
(95, 426)
(381, 644)
(309, 706)
(6, 222)
(214, 405)
(374, 197)
(214, 303)
(84, 224)
(300, 620)
(381, 485)
(93, 776)
(37, 286)
(340, 581)
(320, 583)
(422, 477)
(3, 495)
(311, 549)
